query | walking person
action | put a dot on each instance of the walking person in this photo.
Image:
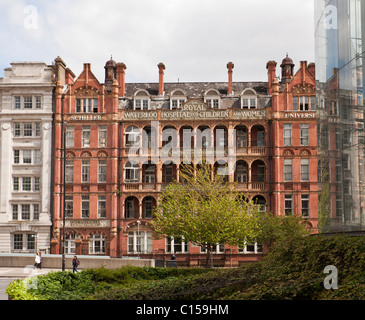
(37, 261)
(75, 264)
(40, 260)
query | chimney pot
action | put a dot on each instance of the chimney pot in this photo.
(161, 68)
(230, 67)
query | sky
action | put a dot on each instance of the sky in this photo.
(195, 39)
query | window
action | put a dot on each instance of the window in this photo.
(15, 212)
(38, 102)
(86, 105)
(288, 134)
(85, 171)
(28, 103)
(15, 183)
(69, 171)
(168, 174)
(37, 184)
(140, 242)
(17, 130)
(35, 211)
(304, 169)
(132, 136)
(70, 244)
(288, 205)
(150, 174)
(37, 129)
(260, 173)
(176, 103)
(129, 208)
(101, 206)
(213, 103)
(97, 244)
(102, 136)
(249, 103)
(70, 133)
(27, 184)
(304, 103)
(141, 104)
(102, 171)
(37, 156)
(288, 170)
(176, 245)
(25, 211)
(147, 207)
(305, 205)
(86, 136)
(338, 205)
(132, 172)
(304, 134)
(27, 129)
(85, 206)
(18, 242)
(69, 207)
(27, 156)
(216, 248)
(250, 248)
(260, 138)
(241, 137)
(241, 172)
(17, 103)
(16, 156)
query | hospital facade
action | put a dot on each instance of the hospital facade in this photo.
(115, 146)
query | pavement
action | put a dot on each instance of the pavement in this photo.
(9, 274)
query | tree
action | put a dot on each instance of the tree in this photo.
(276, 229)
(205, 210)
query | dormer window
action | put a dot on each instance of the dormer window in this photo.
(141, 100)
(177, 99)
(248, 100)
(86, 105)
(212, 98)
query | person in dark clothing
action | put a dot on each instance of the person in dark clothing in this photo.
(75, 264)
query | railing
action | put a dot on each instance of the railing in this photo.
(241, 186)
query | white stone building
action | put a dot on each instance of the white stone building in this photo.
(26, 157)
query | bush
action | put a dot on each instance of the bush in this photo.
(294, 269)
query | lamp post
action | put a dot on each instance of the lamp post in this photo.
(64, 197)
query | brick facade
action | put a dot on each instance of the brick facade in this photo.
(150, 128)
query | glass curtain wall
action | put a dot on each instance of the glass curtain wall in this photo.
(339, 38)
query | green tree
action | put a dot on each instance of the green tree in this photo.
(205, 210)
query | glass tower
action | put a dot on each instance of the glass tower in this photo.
(340, 47)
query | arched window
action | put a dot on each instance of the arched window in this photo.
(177, 99)
(212, 98)
(132, 172)
(141, 100)
(249, 99)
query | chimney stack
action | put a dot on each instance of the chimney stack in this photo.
(271, 67)
(230, 67)
(121, 67)
(161, 68)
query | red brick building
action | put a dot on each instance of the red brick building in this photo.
(125, 142)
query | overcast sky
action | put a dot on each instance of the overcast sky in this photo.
(193, 38)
